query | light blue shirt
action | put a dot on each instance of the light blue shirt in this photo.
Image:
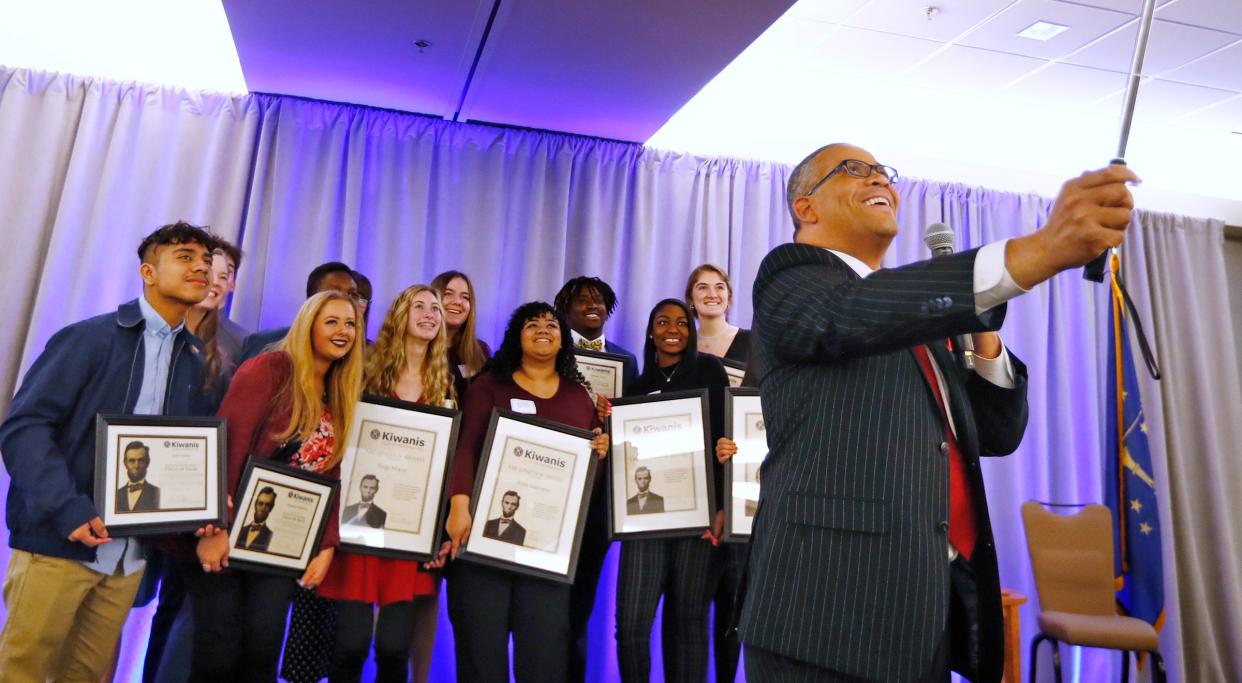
(125, 554)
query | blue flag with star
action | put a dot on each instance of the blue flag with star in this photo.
(1129, 486)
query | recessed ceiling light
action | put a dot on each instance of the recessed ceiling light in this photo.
(1042, 30)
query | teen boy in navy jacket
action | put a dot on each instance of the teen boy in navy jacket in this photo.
(69, 586)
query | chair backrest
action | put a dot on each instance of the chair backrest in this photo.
(1072, 557)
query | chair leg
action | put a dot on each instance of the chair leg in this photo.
(1125, 666)
(1039, 638)
(1157, 663)
(1056, 659)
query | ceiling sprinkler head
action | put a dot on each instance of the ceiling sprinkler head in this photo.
(422, 44)
(931, 11)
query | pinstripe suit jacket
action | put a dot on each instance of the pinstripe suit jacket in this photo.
(848, 566)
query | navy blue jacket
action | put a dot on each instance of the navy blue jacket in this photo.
(631, 368)
(48, 439)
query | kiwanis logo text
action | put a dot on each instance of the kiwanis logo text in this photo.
(527, 453)
(380, 435)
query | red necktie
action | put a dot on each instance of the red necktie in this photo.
(961, 510)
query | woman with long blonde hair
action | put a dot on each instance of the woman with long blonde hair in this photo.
(289, 405)
(409, 362)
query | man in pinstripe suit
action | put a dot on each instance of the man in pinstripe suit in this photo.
(872, 554)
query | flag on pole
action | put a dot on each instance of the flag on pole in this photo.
(1130, 489)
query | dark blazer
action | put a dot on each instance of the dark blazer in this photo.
(375, 517)
(48, 439)
(848, 566)
(257, 342)
(631, 367)
(515, 534)
(148, 499)
(261, 542)
(655, 503)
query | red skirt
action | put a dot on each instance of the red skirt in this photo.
(376, 580)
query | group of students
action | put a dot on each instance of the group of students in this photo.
(289, 395)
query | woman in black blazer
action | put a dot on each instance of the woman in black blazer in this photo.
(680, 569)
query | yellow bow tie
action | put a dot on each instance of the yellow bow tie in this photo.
(591, 344)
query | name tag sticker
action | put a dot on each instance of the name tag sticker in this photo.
(521, 405)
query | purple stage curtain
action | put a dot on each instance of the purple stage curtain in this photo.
(90, 166)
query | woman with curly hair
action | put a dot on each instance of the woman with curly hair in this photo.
(409, 362)
(287, 405)
(679, 569)
(534, 368)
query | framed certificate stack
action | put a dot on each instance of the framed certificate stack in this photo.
(660, 476)
(530, 496)
(736, 370)
(604, 372)
(745, 426)
(394, 471)
(282, 513)
(159, 475)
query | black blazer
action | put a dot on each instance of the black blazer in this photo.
(375, 518)
(148, 500)
(848, 567)
(515, 534)
(655, 503)
(261, 542)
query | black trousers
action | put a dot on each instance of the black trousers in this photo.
(729, 565)
(591, 558)
(394, 631)
(486, 605)
(172, 597)
(239, 624)
(680, 569)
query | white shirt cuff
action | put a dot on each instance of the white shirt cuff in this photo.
(998, 371)
(993, 284)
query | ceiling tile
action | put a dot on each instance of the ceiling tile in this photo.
(1134, 7)
(866, 52)
(1224, 15)
(1220, 70)
(1160, 100)
(825, 10)
(967, 69)
(1224, 116)
(902, 16)
(1169, 47)
(1085, 25)
(1063, 82)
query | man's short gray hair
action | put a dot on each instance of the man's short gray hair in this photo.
(800, 182)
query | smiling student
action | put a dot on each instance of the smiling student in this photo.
(467, 353)
(680, 569)
(710, 293)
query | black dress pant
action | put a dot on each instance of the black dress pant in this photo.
(172, 597)
(729, 564)
(591, 558)
(394, 631)
(486, 605)
(680, 569)
(239, 624)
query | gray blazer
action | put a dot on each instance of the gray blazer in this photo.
(848, 567)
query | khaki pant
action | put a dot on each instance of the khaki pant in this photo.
(63, 619)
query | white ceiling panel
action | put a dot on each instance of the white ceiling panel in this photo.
(1066, 83)
(953, 17)
(1225, 15)
(1085, 25)
(861, 51)
(1226, 116)
(1169, 47)
(1222, 69)
(1160, 100)
(1134, 7)
(968, 69)
(825, 10)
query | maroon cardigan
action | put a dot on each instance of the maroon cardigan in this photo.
(256, 415)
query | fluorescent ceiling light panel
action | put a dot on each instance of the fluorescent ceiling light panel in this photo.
(184, 43)
(1042, 30)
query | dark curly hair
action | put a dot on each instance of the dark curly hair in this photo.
(649, 349)
(565, 298)
(175, 233)
(508, 358)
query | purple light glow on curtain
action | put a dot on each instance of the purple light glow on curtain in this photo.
(402, 197)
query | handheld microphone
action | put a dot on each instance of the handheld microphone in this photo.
(939, 238)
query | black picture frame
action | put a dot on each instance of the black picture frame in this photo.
(623, 370)
(735, 369)
(448, 448)
(732, 532)
(205, 437)
(681, 530)
(486, 463)
(267, 561)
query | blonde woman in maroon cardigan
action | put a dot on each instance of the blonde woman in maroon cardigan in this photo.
(276, 409)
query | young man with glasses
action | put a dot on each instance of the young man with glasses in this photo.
(872, 555)
(69, 585)
(331, 275)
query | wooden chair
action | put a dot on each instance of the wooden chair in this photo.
(1072, 557)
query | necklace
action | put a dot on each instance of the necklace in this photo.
(669, 377)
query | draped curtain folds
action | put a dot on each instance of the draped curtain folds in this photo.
(89, 167)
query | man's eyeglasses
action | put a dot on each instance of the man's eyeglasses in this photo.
(858, 169)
